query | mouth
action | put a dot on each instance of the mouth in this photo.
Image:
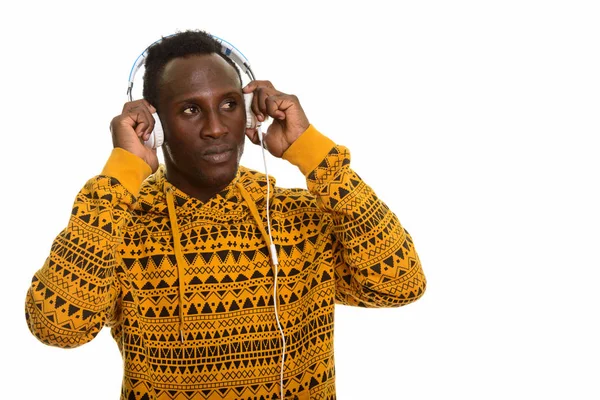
(217, 154)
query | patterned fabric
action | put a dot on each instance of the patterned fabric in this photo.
(115, 265)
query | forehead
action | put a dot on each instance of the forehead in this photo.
(205, 72)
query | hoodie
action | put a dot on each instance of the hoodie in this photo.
(187, 287)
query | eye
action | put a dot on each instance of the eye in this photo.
(229, 105)
(190, 110)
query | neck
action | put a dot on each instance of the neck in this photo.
(196, 188)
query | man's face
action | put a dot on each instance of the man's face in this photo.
(202, 111)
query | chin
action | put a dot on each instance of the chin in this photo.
(194, 170)
(215, 177)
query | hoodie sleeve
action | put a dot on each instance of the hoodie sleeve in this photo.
(75, 292)
(376, 261)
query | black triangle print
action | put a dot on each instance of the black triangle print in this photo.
(59, 302)
(264, 250)
(190, 258)
(389, 261)
(86, 314)
(195, 281)
(376, 268)
(326, 277)
(400, 253)
(192, 310)
(162, 285)
(206, 309)
(108, 227)
(250, 254)
(164, 312)
(148, 286)
(287, 249)
(73, 309)
(128, 297)
(257, 275)
(234, 306)
(206, 257)
(222, 254)
(48, 294)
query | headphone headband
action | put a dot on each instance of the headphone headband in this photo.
(227, 49)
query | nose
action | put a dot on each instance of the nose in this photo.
(214, 126)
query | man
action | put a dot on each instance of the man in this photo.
(175, 258)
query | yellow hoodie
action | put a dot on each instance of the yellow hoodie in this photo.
(187, 288)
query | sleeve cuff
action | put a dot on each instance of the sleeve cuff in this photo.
(309, 150)
(128, 169)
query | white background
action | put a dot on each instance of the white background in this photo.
(476, 122)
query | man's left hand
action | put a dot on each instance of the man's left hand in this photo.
(289, 120)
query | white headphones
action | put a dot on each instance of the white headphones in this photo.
(227, 49)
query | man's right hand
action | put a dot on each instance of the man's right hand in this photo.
(132, 127)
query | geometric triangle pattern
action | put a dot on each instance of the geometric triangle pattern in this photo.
(376, 264)
(115, 265)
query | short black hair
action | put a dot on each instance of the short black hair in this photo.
(181, 44)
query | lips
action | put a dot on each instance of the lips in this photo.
(217, 154)
(221, 148)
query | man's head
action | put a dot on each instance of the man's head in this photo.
(198, 94)
(178, 45)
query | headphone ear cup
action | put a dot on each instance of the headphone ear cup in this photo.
(157, 137)
(251, 121)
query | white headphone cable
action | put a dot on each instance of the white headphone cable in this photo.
(273, 252)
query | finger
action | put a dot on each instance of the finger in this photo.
(144, 111)
(148, 110)
(252, 134)
(253, 85)
(261, 95)
(150, 107)
(276, 105)
(261, 90)
(141, 119)
(137, 103)
(256, 105)
(141, 129)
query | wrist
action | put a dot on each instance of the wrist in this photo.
(129, 169)
(309, 150)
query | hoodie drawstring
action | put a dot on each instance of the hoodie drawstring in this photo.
(181, 261)
(178, 254)
(259, 223)
(275, 263)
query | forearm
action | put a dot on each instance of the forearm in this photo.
(74, 294)
(377, 265)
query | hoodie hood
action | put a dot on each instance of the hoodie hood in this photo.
(152, 197)
(247, 192)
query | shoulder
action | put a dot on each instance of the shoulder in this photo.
(288, 198)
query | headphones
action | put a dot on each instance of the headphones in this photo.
(157, 136)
